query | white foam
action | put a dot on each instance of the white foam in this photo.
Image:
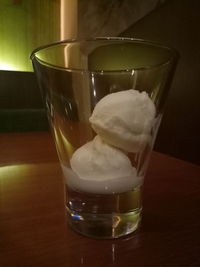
(109, 186)
(124, 119)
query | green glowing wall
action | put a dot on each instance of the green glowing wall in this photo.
(25, 25)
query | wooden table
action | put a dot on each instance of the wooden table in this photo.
(33, 231)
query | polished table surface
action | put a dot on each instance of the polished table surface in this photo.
(33, 230)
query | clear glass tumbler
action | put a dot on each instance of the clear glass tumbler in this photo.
(104, 99)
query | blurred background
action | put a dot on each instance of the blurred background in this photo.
(27, 24)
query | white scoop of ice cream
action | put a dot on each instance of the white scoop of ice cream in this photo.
(124, 119)
(100, 168)
(97, 160)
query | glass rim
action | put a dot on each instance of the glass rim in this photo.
(173, 53)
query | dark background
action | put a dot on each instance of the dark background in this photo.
(176, 24)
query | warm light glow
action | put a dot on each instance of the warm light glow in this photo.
(4, 66)
(24, 26)
(13, 170)
(20, 171)
(68, 19)
(68, 23)
(30, 24)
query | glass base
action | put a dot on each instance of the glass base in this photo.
(104, 226)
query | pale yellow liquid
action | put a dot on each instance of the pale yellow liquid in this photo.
(104, 215)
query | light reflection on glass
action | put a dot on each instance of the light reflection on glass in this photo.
(78, 217)
(93, 86)
(63, 145)
(134, 74)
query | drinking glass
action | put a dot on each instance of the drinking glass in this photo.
(105, 99)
